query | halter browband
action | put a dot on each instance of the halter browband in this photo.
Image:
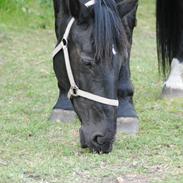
(74, 89)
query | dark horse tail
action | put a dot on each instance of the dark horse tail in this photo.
(168, 36)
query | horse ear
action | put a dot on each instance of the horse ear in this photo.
(56, 4)
(78, 10)
(127, 11)
(60, 8)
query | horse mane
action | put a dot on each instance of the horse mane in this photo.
(168, 32)
(108, 28)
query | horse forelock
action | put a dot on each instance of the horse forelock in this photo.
(108, 28)
(108, 32)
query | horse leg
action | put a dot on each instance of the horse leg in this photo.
(127, 120)
(173, 87)
(63, 110)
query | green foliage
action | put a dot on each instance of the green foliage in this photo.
(26, 13)
(46, 2)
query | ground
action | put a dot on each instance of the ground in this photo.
(34, 150)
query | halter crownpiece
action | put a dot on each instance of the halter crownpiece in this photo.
(74, 89)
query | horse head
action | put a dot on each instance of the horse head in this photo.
(97, 48)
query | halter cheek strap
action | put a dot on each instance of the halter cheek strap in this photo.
(74, 89)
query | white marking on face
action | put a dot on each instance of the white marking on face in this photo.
(175, 80)
(113, 50)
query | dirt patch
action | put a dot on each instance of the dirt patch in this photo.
(1, 61)
(30, 177)
(132, 178)
(3, 163)
(128, 178)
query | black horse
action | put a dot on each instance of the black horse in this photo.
(99, 45)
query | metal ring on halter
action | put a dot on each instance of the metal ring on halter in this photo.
(73, 92)
(64, 42)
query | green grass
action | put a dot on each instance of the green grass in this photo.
(33, 150)
(26, 13)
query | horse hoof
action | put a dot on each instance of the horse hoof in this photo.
(172, 93)
(128, 125)
(60, 115)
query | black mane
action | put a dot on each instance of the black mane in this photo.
(108, 30)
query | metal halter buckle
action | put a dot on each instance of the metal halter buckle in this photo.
(73, 92)
(64, 42)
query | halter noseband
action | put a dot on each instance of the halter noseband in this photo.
(74, 89)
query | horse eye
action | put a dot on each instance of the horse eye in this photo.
(87, 59)
(83, 25)
(88, 62)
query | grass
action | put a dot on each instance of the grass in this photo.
(33, 150)
(26, 13)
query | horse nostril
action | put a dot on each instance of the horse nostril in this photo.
(98, 139)
(101, 144)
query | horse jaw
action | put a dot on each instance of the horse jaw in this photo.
(173, 87)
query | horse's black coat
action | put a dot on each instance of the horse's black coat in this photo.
(95, 69)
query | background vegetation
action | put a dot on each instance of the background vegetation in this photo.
(33, 150)
(26, 13)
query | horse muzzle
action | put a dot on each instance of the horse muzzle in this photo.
(97, 142)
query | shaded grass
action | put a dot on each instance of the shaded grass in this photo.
(34, 150)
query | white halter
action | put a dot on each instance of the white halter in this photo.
(74, 89)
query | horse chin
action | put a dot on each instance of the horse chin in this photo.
(82, 139)
(103, 149)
